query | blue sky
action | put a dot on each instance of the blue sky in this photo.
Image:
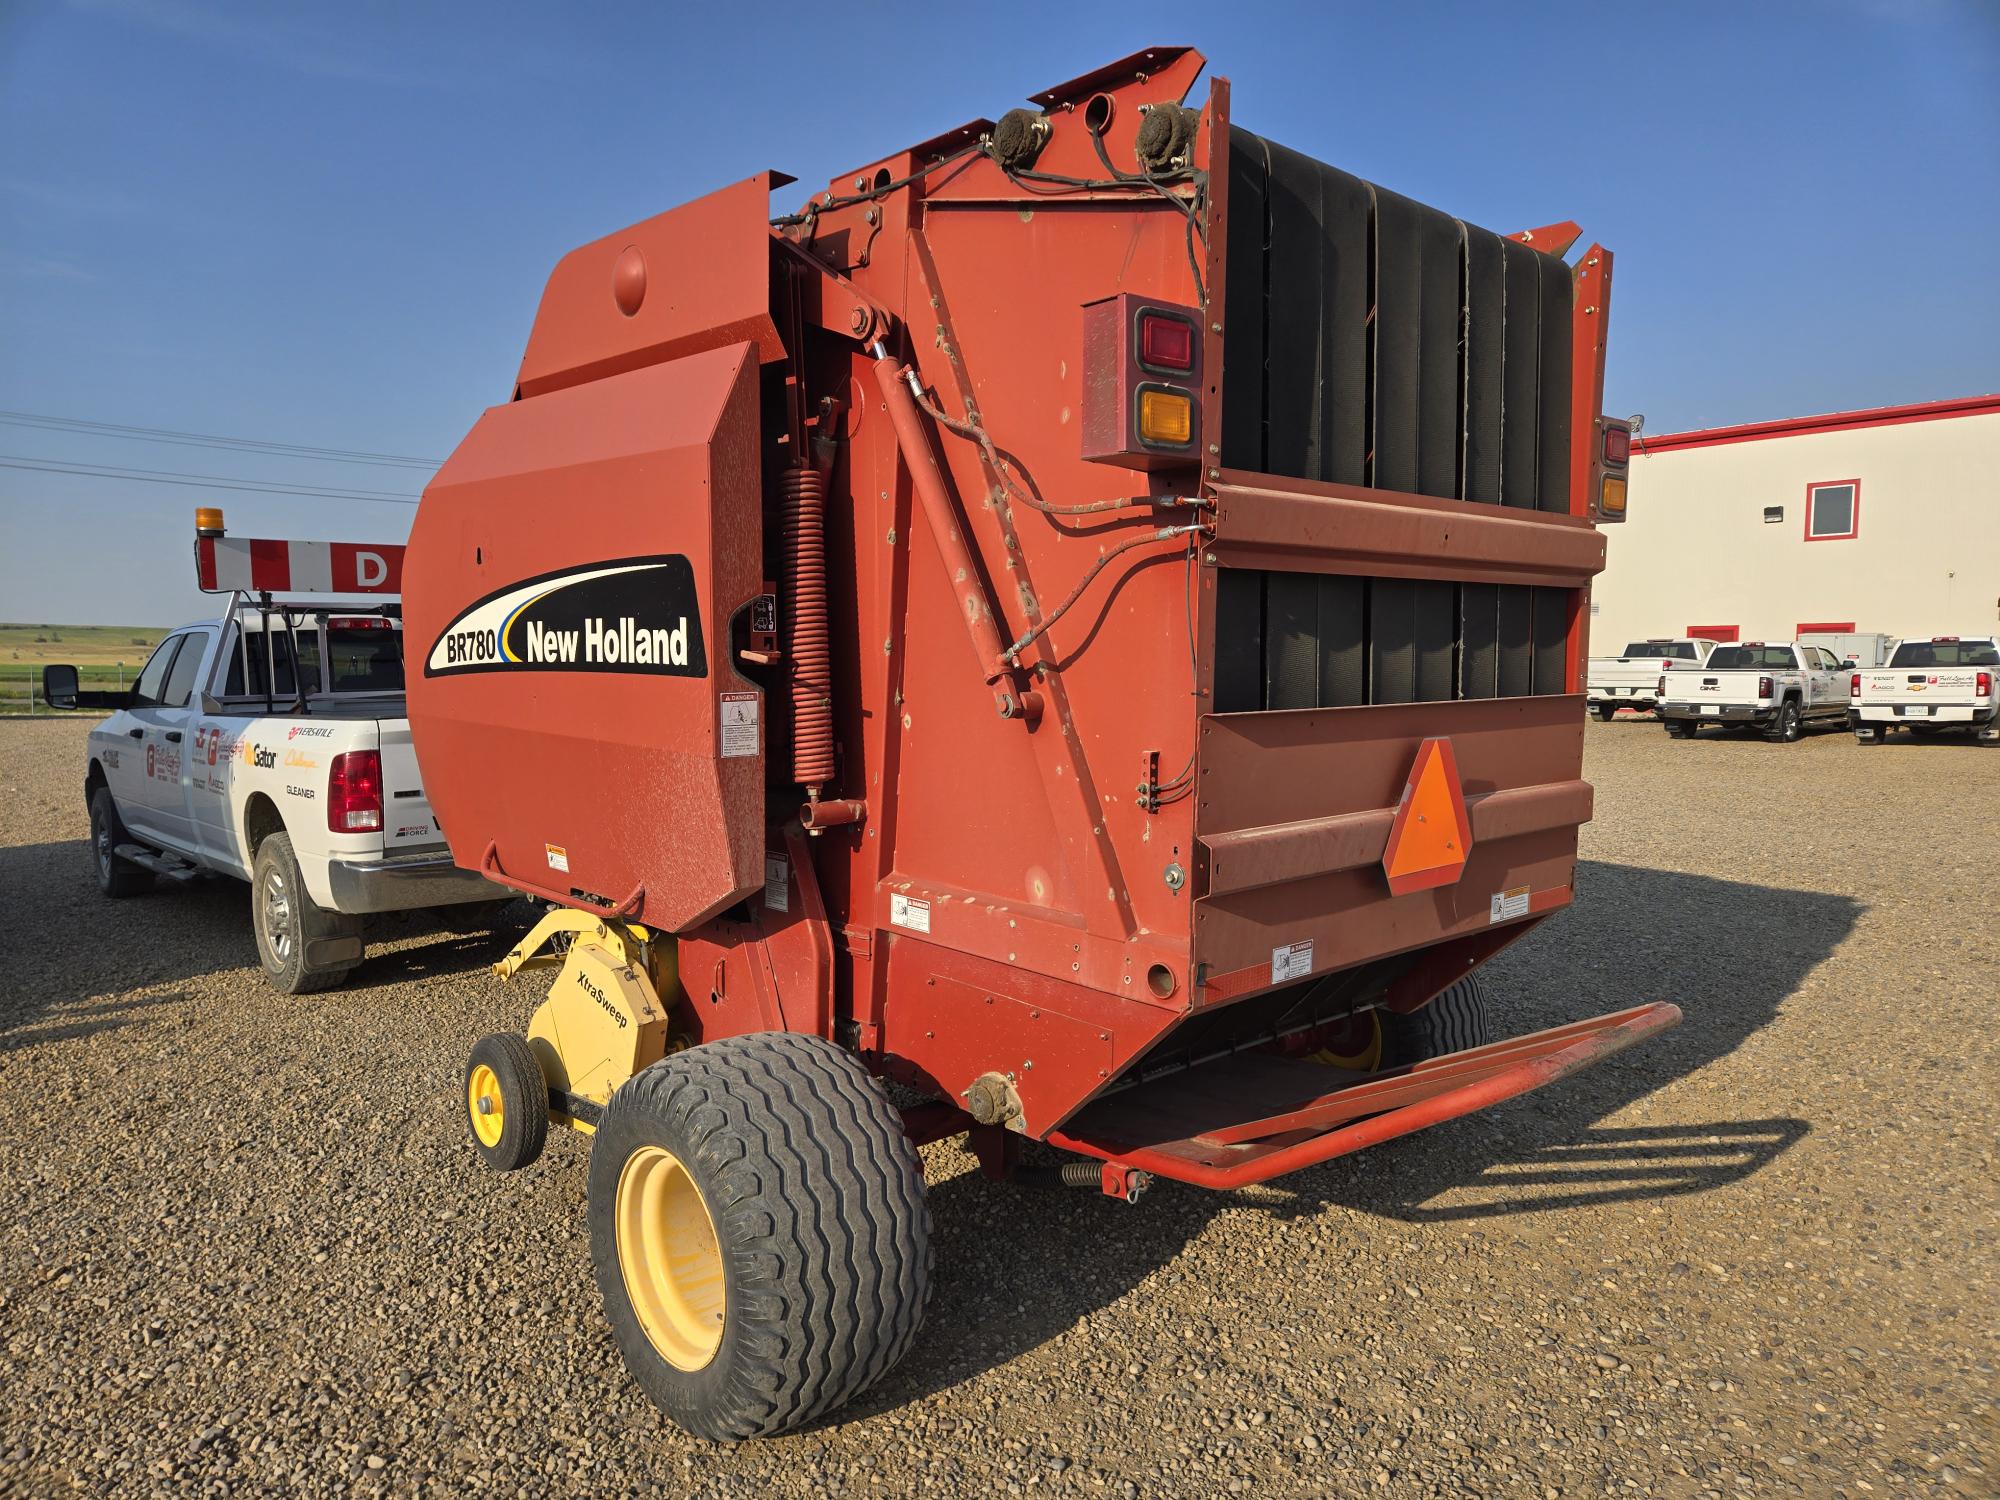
(328, 225)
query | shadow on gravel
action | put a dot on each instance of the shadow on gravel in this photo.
(1017, 1266)
(166, 936)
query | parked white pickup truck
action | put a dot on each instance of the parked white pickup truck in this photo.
(1930, 687)
(1631, 680)
(271, 745)
(1777, 687)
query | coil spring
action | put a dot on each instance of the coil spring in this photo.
(805, 625)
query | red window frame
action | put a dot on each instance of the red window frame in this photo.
(1826, 627)
(1854, 516)
(1722, 635)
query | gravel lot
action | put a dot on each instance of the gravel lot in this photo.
(246, 1248)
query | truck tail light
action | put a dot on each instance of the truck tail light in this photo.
(1662, 688)
(1985, 685)
(1166, 341)
(1763, 687)
(1617, 444)
(1854, 686)
(354, 792)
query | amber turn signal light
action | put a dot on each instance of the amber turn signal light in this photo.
(1166, 417)
(1611, 499)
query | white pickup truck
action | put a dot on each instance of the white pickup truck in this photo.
(1930, 687)
(1776, 687)
(271, 745)
(1631, 679)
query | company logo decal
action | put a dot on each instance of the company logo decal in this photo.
(634, 614)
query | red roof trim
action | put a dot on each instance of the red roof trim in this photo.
(1839, 421)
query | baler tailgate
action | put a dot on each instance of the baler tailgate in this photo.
(1256, 1116)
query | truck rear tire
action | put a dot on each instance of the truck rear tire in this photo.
(1788, 725)
(1679, 729)
(1607, 711)
(758, 1231)
(116, 877)
(291, 930)
(1454, 1022)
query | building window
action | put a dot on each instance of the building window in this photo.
(1833, 510)
(1725, 633)
(1773, 514)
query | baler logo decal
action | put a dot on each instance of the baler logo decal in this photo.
(632, 614)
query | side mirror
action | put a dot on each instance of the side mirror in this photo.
(59, 686)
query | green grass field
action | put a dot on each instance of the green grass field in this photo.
(94, 650)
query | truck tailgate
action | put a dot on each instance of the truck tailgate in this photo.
(1953, 685)
(408, 825)
(1700, 686)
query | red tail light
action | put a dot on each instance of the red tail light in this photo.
(1662, 688)
(1985, 684)
(354, 792)
(1763, 687)
(1165, 342)
(1617, 445)
(1854, 686)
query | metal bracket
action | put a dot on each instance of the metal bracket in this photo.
(841, 307)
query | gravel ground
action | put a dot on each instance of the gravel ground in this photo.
(245, 1247)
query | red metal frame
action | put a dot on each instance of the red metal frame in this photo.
(1825, 627)
(1722, 635)
(1260, 1147)
(1854, 516)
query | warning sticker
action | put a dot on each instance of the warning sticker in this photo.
(1508, 905)
(558, 857)
(1293, 961)
(739, 724)
(777, 883)
(908, 911)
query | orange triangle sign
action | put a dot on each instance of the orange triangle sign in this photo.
(1432, 837)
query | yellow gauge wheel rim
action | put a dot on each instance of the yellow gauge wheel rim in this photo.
(668, 1255)
(482, 1099)
(1366, 1060)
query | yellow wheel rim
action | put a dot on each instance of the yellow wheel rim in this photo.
(1367, 1060)
(482, 1099)
(669, 1258)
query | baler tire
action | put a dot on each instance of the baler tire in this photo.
(815, 1209)
(116, 878)
(290, 904)
(1454, 1022)
(502, 1069)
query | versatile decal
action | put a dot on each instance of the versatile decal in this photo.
(308, 731)
(634, 614)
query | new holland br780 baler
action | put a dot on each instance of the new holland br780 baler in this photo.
(1081, 622)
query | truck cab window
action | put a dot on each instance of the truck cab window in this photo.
(180, 681)
(153, 678)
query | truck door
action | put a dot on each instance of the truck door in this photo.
(1827, 691)
(126, 735)
(169, 747)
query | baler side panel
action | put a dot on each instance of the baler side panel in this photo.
(583, 777)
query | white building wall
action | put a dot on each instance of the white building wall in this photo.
(1697, 550)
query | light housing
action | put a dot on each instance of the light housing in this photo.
(1617, 444)
(208, 520)
(1854, 686)
(1764, 688)
(1142, 376)
(354, 792)
(1611, 498)
(1983, 685)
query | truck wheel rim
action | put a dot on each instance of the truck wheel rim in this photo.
(278, 914)
(103, 842)
(668, 1255)
(482, 1100)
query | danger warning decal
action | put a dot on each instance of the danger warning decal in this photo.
(633, 614)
